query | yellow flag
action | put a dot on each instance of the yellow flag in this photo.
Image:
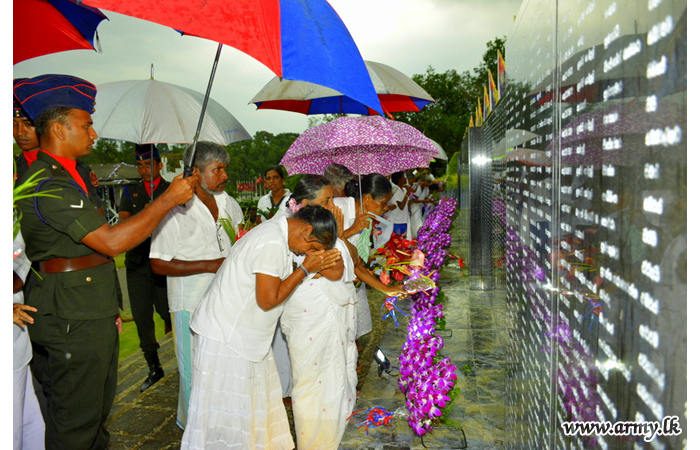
(479, 113)
(487, 104)
(493, 90)
(471, 121)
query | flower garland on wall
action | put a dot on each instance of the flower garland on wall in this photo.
(426, 378)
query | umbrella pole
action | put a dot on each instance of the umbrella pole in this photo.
(359, 185)
(187, 171)
(152, 165)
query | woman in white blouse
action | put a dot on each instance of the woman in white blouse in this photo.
(278, 195)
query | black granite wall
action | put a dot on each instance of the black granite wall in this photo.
(593, 128)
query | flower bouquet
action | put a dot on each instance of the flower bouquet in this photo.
(395, 258)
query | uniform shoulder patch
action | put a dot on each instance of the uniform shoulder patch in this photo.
(93, 179)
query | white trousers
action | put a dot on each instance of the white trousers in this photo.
(27, 421)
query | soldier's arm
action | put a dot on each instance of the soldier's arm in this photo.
(178, 267)
(113, 240)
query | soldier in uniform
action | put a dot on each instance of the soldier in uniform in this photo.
(77, 295)
(25, 136)
(146, 289)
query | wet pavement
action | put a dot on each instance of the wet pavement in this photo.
(475, 341)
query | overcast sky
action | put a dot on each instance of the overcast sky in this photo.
(409, 35)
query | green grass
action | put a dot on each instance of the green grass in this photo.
(129, 339)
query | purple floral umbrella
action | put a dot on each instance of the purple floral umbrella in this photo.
(363, 144)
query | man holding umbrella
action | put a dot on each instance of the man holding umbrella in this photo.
(147, 290)
(77, 297)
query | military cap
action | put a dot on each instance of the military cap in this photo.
(17, 110)
(40, 93)
(143, 152)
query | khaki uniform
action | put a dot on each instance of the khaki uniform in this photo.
(74, 335)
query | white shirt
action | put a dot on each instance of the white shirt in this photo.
(421, 193)
(265, 202)
(190, 234)
(398, 215)
(347, 206)
(22, 347)
(229, 312)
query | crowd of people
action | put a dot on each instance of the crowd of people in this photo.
(258, 321)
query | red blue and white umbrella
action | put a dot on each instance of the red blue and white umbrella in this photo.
(41, 27)
(396, 91)
(296, 39)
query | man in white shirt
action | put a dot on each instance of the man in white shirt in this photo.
(189, 245)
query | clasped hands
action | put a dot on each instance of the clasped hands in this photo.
(318, 260)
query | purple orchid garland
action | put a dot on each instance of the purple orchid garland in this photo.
(426, 378)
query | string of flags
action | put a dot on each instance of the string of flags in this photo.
(492, 93)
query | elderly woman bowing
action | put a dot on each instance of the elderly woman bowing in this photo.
(236, 394)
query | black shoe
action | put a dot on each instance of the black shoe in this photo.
(155, 371)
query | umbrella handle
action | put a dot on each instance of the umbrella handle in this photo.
(188, 165)
(187, 171)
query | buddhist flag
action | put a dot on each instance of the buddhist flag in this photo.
(479, 113)
(493, 91)
(487, 103)
(501, 74)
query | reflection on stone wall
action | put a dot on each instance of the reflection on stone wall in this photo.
(593, 128)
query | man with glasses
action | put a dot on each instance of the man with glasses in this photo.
(188, 247)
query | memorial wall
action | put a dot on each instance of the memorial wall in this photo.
(593, 129)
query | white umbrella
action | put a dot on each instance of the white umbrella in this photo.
(441, 151)
(150, 112)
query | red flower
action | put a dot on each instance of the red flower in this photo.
(384, 277)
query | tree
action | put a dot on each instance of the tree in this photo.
(445, 120)
(107, 151)
(249, 159)
(455, 94)
(489, 62)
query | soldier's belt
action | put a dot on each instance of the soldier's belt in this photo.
(70, 264)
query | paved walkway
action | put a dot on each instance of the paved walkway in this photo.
(477, 346)
(146, 421)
